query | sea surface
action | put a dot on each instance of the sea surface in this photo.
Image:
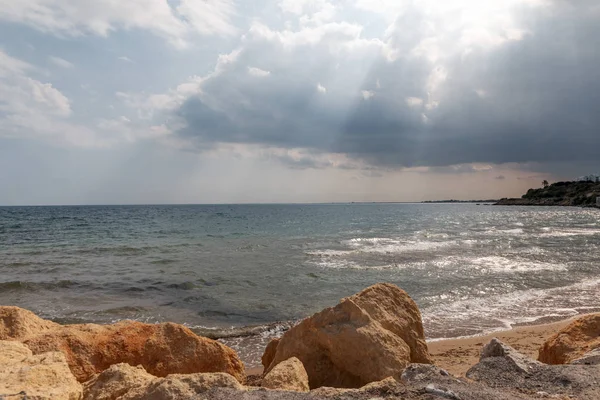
(245, 273)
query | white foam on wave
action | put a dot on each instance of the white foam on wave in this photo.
(550, 232)
(390, 245)
(514, 231)
(491, 264)
(486, 314)
(503, 264)
(348, 264)
(329, 253)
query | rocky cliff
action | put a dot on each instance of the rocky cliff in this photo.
(582, 194)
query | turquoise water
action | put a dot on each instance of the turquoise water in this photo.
(224, 268)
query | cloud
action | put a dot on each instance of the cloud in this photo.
(367, 94)
(10, 66)
(60, 62)
(20, 93)
(464, 83)
(261, 73)
(30, 108)
(125, 59)
(414, 101)
(101, 17)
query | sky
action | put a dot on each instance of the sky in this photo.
(223, 101)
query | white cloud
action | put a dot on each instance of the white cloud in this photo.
(310, 12)
(101, 17)
(21, 94)
(60, 62)
(147, 105)
(258, 72)
(10, 65)
(208, 16)
(321, 88)
(367, 94)
(30, 108)
(123, 129)
(125, 59)
(51, 98)
(414, 101)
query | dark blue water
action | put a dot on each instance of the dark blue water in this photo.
(222, 268)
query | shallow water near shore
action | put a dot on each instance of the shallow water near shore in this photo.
(245, 273)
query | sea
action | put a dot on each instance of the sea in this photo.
(243, 274)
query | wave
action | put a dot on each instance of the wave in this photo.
(266, 330)
(481, 315)
(503, 264)
(390, 245)
(36, 286)
(569, 232)
(514, 231)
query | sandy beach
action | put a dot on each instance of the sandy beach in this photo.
(458, 355)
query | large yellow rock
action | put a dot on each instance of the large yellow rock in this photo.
(393, 308)
(116, 381)
(124, 382)
(42, 377)
(269, 354)
(287, 375)
(572, 342)
(17, 323)
(162, 349)
(367, 337)
(182, 387)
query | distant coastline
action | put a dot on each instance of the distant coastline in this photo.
(460, 201)
(570, 193)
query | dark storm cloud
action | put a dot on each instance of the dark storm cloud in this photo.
(531, 100)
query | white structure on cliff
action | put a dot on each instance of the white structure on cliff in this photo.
(589, 178)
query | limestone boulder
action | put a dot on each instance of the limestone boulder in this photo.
(42, 377)
(125, 382)
(269, 354)
(572, 342)
(183, 387)
(367, 337)
(116, 381)
(393, 308)
(17, 323)
(288, 375)
(162, 349)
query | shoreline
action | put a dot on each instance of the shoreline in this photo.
(457, 355)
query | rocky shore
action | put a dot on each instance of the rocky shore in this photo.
(370, 345)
